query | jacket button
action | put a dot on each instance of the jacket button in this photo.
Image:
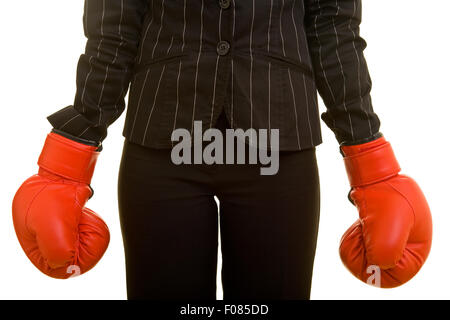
(223, 48)
(224, 4)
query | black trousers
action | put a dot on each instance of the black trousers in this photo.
(170, 224)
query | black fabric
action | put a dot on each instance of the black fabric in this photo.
(169, 220)
(259, 60)
(79, 140)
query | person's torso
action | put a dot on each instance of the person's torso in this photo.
(198, 58)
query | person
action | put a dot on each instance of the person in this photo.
(221, 64)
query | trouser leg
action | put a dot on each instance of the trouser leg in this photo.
(169, 226)
(268, 227)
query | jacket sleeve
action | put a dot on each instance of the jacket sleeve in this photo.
(340, 69)
(113, 29)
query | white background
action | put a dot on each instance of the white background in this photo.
(408, 59)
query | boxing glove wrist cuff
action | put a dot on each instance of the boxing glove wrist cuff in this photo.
(77, 139)
(68, 158)
(370, 163)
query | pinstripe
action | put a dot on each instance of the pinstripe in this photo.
(107, 67)
(270, 66)
(321, 62)
(144, 39)
(270, 26)
(70, 120)
(295, 108)
(117, 53)
(342, 72)
(281, 28)
(90, 58)
(359, 67)
(234, 18)
(232, 92)
(86, 12)
(296, 32)
(307, 108)
(315, 103)
(178, 96)
(120, 21)
(303, 76)
(170, 45)
(116, 105)
(101, 95)
(127, 34)
(139, 102)
(153, 106)
(184, 26)
(125, 86)
(85, 84)
(215, 73)
(198, 61)
(269, 98)
(220, 24)
(232, 67)
(160, 29)
(320, 54)
(214, 92)
(251, 68)
(290, 77)
(101, 30)
(83, 132)
(179, 68)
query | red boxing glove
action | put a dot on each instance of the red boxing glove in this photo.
(391, 240)
(59, 235)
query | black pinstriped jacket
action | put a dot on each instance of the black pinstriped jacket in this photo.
(259, 61)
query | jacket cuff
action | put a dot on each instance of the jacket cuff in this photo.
(361, 141)
(91, 143)
(71, 122)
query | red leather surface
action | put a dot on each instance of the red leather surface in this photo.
(57, 233)
(370, 162)
(68, 158)
(394, 229)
